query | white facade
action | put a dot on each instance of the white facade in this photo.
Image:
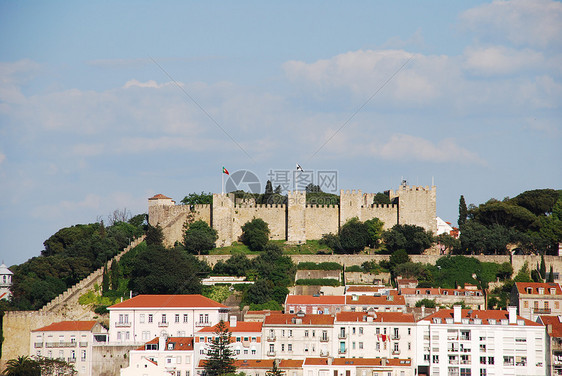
(70, 341)
(145, 317)
(5, 282)
(462, 342)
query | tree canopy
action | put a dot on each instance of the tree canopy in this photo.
(414, 239)
(198, 198)
(199, 237)
(255, 234)
(220, 356)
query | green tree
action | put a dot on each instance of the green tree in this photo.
(463, 211)
(22, 366)
(381, 199)
(414, 239)
(274, 371)
(114, 273)
(523, 274)
(332, 241)
(198, 199)
(542, 268)
(374, 230)
(199, 237)
(154, 235)
(237, 265)
(255, 234)
(105, 280)
(157, 270)
(398, 257)
(220, 357)
(550, 274)
(505, 271)
(427, 303)
(447, 242)
(354, 236)
(538, 201)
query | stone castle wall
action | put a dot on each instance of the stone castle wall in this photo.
(296, 222)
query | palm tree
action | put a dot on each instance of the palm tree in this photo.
(22, 366)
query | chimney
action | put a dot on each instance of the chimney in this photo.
(512, 312)
(423, 311)
(162, 342)
(457, 310)
(383, 362)
(549, 329)
(233, 319)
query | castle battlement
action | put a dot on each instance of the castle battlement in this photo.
(295, 221)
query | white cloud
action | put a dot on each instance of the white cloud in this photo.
(407, 147)
(12, 75)
(522, 22)
(148, 84)
(499, 60)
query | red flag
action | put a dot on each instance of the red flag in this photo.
(225, 171)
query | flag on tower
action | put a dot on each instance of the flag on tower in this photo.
(225, 171)
(299, 168)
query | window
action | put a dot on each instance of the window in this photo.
(409, 345)
(118, 336)
(482, 360)
(426, 357)
(465, 371)
(283, 347)
(525, 304)
(185, 317)
(546, 305)
(378, 346)
(521, 361)
(557, 305)
(508, 361)
(482, 347)
(482, 371)
(314, 333)
(83, 357)
(353, 331)
(253, 351)
(141, 318)
(290, 347)
(360, 330)
(396, 333)
(378, 331)
(360, 345)
(245, 352)
(490, 360)
(163, 318)
(201, 318)
(206, 318)
(435, 359)
(536, 304)
(290, 332)
(177, 317)
(306, 333)
(237, 352)
(149, 317)
(409, 331)
(396, 346)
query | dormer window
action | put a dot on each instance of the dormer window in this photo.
(541, 290)
(529, 290)
(170, 346)
(552, 291)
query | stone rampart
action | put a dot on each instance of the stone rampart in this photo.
(386, 213)
(107, 360)
(273, 215)
(171, 219)
(18, 324)
(320, 220)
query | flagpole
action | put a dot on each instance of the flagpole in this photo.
(222, 181)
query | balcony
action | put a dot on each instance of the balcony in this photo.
(452, 349)
(71, 360)
(324, 353)
(395, 337)
(342, 351)
(83, 344)
(271, 353)
(203, 323)
(271, 338)
(163, 324)
(122, 324)
(38, 345)
(324, 339)
(542, 311)
(342, 335)
(395, 352)
(60, 344)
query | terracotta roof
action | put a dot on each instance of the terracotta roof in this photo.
(159, 197)
(262, 363)
(152, 361)
(316, 300)
(371, 362)
(556, 323)
(438, 291)
(168, 301)
(264, 312)
(241, 327)
(484, 315)
(375, 300)
(315, 362)
(287, 319)
(522, 287)
(378, 317)
(66, 326)
(181, 343)
(364, 288)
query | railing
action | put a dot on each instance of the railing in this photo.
(465, 350)
(465, 361)
(163, 324)
(395, 352)
(324, 353)
(342, 351)
(342, 335)
(324, 339)
(271, 353)
(83, 344)
(452, 349)
(38, 345)
(202, 323)
(71, 360)
(542, 311)
(60, 344)
(453, 361)
(271, 338)
(395, 337)
(122, 324)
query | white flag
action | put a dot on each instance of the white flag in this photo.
(299, 168)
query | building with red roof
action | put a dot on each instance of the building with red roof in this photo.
(473, 298)
(472, 342)
(309, 304)
(358, 367)
(71, 341)
(553, 326)
(144, 317)
(364, 303)
(535, 298)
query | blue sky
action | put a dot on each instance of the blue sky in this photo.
(89, 123)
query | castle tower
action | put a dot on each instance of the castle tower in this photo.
(5, 282)
(156, 206)
(417, 205)
(222, 218)
(296, 204)
(350, 205)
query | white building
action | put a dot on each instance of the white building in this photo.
(246, 339)
(70, 341)
(297, 336)
(374, 334)
(358, 367)
(385, 303)
(145, 317)
(536, 298)
(162, 357)
(489, 342)
(5, 282)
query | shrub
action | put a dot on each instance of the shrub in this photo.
(317, 282)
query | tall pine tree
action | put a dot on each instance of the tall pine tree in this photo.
(105, 280)
(220, 357)
(542, 269)
(463, 211)
(114, 274)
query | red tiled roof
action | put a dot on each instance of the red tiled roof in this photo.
(378, 317)
(265, 311)
(484, 315)
(374, 300)
(316, 300)
(315, 362)
(287, 319)
(437, 291)
(262, 363)
(556, 325)
(371, 362)
(364, 288)
(159, 197)
(168, 301)
(66, 326)
(241, 327)
(522, 287)
(181, 343)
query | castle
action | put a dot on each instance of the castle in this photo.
(296, 221)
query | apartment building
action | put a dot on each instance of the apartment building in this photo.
(379, 334)
(297, 336)
(246, 339)
(358, 367)
(260, 367)
(145, 317)
(309, 304)
(462, 342)
(473, 298)
(385, 303)
(534, 298)
(162, 356)
(71, 341)
(370, 290)
(553, 325)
